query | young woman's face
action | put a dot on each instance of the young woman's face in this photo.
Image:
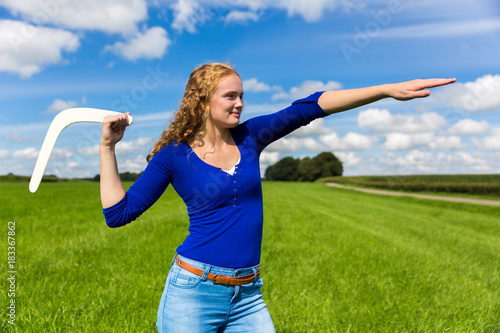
(226, 104)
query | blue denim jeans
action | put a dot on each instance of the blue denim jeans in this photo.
(192, 303)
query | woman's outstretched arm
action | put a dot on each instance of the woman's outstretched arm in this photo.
(342, 100)
(112, 190)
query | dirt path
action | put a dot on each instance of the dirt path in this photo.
(422, 196)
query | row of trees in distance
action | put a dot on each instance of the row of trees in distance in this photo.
(307, 169)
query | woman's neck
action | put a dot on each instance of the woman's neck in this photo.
(214, 138)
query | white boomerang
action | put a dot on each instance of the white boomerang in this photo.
(60, 122)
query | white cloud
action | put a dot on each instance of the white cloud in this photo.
(136, 165)
(26, 49)
(187, 13)
(480, 95)
(61, 154)
(134, 146)
(420, 160)
(58, 105)
(389, 163)
(89, 150)
(311, 11)
(73, 164)
(238, 16)
(71, 168)
(302, 138)
(269, 157)
(446, 143)
(355, 141)
(377, 119)
(266, 159)
(469, 127)
(352, 141)
(306, 88)
(4, 153)
(401, 141)
(122, 148)
(428, 162)
(315, 127)
(491, 142)
(84, 161)
(348, 159)
(458, 159)
(491, 161)
(382, 121)
(422, 141)
(29, 153)
(291, 144)
(150, 44)
(114, 16)
(255, 85)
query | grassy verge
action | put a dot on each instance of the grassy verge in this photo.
(333, 261)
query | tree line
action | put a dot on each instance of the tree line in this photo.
(307, 169)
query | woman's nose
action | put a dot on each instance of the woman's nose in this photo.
(239, 103)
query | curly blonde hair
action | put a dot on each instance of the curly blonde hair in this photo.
(190, 119)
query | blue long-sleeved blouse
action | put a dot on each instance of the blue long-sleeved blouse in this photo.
(225, 211)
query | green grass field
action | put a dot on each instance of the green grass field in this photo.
(333, 261)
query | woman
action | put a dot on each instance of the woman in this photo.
(212, 161)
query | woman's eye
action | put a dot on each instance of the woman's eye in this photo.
(233, 96)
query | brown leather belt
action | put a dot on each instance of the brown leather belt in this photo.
(219, 279)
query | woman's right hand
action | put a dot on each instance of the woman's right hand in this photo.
(113, 129)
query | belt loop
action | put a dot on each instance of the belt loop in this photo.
(173, 260)
(207, 270)
(254, 274)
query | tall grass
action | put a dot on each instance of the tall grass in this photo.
(333, 261)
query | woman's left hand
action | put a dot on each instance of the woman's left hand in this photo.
(405, 91)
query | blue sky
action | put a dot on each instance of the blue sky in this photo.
(136, 55)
